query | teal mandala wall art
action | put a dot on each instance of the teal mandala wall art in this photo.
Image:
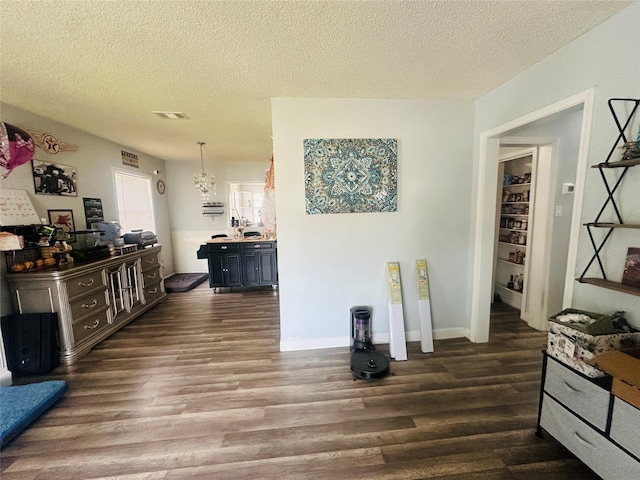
(345, 175)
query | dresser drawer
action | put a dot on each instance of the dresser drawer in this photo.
(151, 276)
(89, 303)
(85, 283)
(150, 261)
(625, 426)
(586, 399)
(223, 247)
(152, 291)
(253, 246)
(590, 446)
(90, 325)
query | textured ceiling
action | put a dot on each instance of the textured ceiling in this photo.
(104, 66)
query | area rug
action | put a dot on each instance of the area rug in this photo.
(183, 282)
(21, 405)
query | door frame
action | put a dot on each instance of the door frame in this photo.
(486, 198)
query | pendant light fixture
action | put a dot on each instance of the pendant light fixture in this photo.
(202, 182)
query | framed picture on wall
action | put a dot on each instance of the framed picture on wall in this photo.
(54, 179)
(62, 219)
(92, 211)
(631, 274)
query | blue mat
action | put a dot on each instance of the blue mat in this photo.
(21, 405)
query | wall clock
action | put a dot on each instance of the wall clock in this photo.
(161, 187)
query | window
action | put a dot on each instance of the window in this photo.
(245, 202)
(135, 206)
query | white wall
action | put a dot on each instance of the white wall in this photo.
(329, 263)
(603, 58)
(190, 228)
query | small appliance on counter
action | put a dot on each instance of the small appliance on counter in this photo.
(140, 238)
(365, 361)
(112, 233)
(85, 246)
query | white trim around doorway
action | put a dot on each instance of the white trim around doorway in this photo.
(484, 237)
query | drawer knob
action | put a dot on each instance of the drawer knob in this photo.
(256, 246)
(153, 291)
(224, 247)
(153, 275)
(91, 327)
(82, 284)
(90, 305)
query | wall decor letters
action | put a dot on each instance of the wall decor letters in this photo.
(129, 159)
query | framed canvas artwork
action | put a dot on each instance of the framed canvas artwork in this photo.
(350, 175)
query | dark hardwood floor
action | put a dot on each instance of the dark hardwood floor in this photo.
(197, 389)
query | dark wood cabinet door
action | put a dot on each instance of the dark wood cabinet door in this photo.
(233, 270)
(250, 266)
(268, 272)
(259, 268)
(216, 270)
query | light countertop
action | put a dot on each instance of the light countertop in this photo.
(241, 240)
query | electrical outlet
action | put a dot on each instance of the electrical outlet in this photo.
(558, 210)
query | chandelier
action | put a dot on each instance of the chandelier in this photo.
(201, 182)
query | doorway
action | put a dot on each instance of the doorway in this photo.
(486, 215)
(513, 259)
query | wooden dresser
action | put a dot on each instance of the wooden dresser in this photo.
(92, 299)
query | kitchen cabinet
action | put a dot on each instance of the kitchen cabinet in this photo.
(612, 183)
(514, 228)
(92, 299)
(597, 427)
(224, 265)
(259, 264)
(240, 263)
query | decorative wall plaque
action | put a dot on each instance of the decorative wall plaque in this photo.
(51, 144)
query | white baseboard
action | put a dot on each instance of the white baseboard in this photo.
(295, 344)
(445, 333)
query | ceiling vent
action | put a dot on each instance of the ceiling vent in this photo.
(172, 115)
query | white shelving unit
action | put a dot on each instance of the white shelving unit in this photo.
(514, 229)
